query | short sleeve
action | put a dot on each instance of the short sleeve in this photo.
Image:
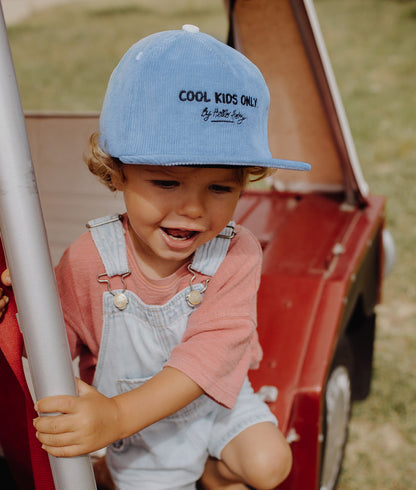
(81, 301)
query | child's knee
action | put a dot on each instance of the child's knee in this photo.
(269, 466)
(260, 455)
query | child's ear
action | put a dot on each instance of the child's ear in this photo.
(118, 181)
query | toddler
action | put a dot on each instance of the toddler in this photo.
(160, 303)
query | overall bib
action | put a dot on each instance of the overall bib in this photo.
(137, 340)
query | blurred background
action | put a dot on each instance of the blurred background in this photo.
(64, 52)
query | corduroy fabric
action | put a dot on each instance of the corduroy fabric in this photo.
(184, 98)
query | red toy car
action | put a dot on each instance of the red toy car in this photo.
(321, 232)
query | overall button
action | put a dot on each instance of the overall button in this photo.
(120, 301)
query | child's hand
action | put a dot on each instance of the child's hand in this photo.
(88, 422)
(4, 300)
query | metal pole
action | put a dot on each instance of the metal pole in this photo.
(26, 247)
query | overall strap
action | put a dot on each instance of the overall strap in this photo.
(209, 256)
(108, 235)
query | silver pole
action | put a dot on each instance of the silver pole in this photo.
(28, 258)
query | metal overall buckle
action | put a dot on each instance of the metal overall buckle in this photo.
(194, 297)
(229, 232)
(120, 300)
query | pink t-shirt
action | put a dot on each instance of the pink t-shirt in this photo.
(220, 343)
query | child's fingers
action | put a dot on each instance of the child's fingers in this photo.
(64, 452)
(84, 388)
(3, 300)
(54, 404)
(56, 440)
(58, 436)
(5, 278)
(58, 424)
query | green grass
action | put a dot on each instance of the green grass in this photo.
(63, 58)
(372, 45)
(64, 55)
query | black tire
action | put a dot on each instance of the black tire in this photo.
(337, 413)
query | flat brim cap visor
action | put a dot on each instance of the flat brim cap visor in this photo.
(184, 98)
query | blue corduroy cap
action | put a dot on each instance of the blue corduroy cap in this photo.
(184, 98)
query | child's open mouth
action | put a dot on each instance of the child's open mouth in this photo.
(178, 234)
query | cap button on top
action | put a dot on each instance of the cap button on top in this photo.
(190, 28)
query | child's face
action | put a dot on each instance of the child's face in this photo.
(174, 210)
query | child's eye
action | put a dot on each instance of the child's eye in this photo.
(165, 184)
(221, 188)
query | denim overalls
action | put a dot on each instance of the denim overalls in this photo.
(137, 340)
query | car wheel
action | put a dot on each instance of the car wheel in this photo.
(337, 411)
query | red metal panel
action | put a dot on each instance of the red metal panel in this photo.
(28, 463)
(261, 213)
(304, 243)
(287, 309)
(306, 464)
(314, 246)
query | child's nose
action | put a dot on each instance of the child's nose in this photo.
(192, 206)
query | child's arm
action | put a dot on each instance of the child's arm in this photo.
(92, 421)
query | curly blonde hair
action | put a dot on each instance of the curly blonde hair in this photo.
(109, 169)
